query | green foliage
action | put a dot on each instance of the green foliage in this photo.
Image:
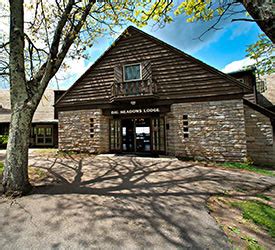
(3, 139)
(1, 167)
(245, 166)
(198, 10)
(258, 212)
(263, 53)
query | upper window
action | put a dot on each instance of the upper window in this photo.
(132, 72)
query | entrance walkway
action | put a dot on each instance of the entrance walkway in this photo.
(120, 203)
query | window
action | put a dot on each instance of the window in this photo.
(92, 128)
(185, 126)
(261, 85)
(132, 72)
(43, 134)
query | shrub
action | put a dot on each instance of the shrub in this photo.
(3, 140)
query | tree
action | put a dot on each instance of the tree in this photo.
(37, 45)
(261, 11)
(262, 52)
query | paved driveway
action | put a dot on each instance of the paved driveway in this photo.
(120, 203)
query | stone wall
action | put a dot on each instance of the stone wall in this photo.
(260, 137)
(74, 131)
(216, 131)
(267, 98)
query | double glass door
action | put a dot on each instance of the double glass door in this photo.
(137, 135)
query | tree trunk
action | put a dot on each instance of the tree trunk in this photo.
(262, 11)
(15, 178)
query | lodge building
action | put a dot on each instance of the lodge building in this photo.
(145, 96)
(44, 127)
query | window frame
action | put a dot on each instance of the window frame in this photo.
(44, 135)
(140, 70)
(185, 126)
(92, 127)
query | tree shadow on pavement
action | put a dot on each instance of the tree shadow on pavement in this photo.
(134, 203)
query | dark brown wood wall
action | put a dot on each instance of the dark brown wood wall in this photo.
(176, 75)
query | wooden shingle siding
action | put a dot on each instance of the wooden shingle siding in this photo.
(176, 75)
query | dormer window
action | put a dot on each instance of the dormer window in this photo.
(132, 72)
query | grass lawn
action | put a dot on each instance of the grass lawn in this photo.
(258, 212)
(248, 223)
(248, 167)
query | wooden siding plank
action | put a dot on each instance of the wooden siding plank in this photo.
(175, 75)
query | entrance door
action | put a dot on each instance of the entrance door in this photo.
(115, 135)
(138, 135)
(128, 135)
(158, 134)
(143, 138)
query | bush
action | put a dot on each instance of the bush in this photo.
(3, 140)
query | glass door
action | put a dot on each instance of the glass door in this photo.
(158, 134)
(115, 135)
(142, 130)
(128, 135)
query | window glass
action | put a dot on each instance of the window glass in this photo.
(132, 72)
(40, 131)
(92, 133)
(48, 140)
(48, 131)
(40, 140)
(185, 126)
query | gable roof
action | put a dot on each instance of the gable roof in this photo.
(43, 113)
(182, 54)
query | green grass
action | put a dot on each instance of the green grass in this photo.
(258, 212)
(244, 166)
(1, 167)
(264, 197)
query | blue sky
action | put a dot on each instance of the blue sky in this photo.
(218, 48)
(223, 49)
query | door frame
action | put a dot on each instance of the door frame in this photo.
(151, 117)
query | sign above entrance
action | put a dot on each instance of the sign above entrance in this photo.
(135, 111)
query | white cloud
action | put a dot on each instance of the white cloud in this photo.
(238, 65)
